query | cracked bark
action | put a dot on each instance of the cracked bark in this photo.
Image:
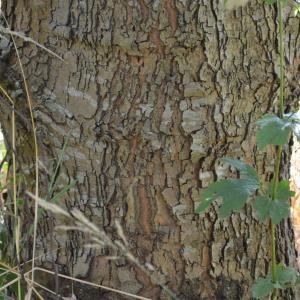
(151, 94)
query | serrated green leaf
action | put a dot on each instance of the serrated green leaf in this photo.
(204, 204)
(285, 275)
(234, 192)
(294, 120)
(272, 131)
(235, 197)
(279, 211)
(262, 288)
(266, 208)
(262, 207)
(246, 170)
(283, 190)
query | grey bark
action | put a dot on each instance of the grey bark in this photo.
(151, 95)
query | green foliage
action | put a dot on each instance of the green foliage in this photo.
(20, 202)
(246, 170)
(285, 277)
(5, 277)
(297, 283)
(234, 192)
(262, 287)
(267, 208)
(272, 204)
(276, 131)
(283, 190)
(294, 123)
(276, 209)
(273, 131)
(295, 11)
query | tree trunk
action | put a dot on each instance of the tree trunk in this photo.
(150, 95)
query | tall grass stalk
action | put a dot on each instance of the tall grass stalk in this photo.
(100, 239)
(16, 220)
(36, 149)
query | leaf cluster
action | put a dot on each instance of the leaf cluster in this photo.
(286, 277)
(271, 200)
(234, 193)
(275, 209)
(276, 131)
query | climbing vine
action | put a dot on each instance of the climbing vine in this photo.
(271, 200)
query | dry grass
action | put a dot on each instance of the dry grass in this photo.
(99, 239)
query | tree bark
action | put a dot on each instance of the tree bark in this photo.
(151, 94)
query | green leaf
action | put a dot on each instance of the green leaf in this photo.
(20, 202)
(283, 190)
(273, 131)
(267, 208)
(285, 275)
(234, 192)
(205, 202)
(262, 288)
(294, 120)
(262, 206)
(246, 170)
(279, 211)
(297, 282)
(7, 278)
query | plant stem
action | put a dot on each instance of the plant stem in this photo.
(273, 252)
(281, 55)
(279, 149)
(36, 148)
(14, 182)
(16, 219)
(272, 225)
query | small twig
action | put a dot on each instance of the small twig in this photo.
(28, 39)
